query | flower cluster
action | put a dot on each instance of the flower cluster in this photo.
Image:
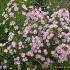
(35, 14)
(9, 9)
(62, 52)
(36, 36)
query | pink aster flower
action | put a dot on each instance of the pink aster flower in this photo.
(0, 67)
(5, 50)
(48, 34)
(47, 63)
(20, 43)
(26, 30)
(11, 14)
(11, 34)
(16, 61)
(13, 44)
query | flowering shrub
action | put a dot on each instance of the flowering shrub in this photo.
(40, 38)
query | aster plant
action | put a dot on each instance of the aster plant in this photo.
(37, 39)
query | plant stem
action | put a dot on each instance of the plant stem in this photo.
(19, 67)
